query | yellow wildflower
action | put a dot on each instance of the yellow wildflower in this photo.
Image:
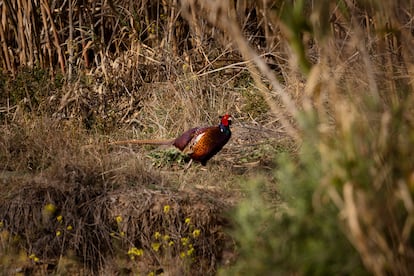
(59, 218)
(182, 255)
(118, 219)
(184, 241)
(196, 233)
(166, 237)
(157, 235)
(122, 233)
(135, 252)
(187, 220)
(171, 243)
(152, 273)
(155, 246)
(166, 209)
(58, 233)
(190, 251)
(50, 208)
(70, 227)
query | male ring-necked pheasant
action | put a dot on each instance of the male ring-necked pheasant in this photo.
(200, 143)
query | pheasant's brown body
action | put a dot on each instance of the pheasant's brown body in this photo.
(203, 143)
(200, 143)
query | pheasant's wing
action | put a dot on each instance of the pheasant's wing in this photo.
(185, 139)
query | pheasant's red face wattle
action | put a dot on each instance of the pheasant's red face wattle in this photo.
(226, 120)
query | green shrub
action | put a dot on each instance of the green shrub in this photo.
(346, 198)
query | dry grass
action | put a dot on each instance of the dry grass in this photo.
(112, 201)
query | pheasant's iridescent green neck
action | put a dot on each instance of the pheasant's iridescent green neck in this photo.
(224, 129)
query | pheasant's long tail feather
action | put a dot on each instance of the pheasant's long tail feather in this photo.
(144, 142)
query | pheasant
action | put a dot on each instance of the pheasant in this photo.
(199, 143)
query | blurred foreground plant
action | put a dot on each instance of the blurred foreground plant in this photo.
(347, 199)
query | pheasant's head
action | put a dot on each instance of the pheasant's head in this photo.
(225, 120)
